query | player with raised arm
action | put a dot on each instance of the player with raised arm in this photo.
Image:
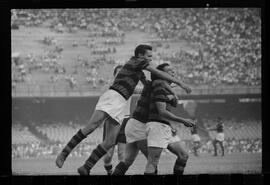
(121, 138)
(111, 105)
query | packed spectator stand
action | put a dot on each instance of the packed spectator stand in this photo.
(227, 41)
(240, 137)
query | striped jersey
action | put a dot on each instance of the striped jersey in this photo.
(219, 128)
(159, 94)
(128, 77)
(141, 111)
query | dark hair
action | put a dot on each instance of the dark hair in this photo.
(141, 49)
(115, 69)
(161, 68)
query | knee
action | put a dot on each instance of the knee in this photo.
(108, 143)
(185, 156)
(153, 160)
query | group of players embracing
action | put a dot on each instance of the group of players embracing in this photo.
(148, 129)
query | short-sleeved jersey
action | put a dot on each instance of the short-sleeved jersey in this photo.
(159, 94)
(128, 77)
(219, 128)
(141, 111)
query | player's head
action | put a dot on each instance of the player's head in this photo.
(163, 67)
(143, 52)
(160, 67)
(117, 69)
(219, 120)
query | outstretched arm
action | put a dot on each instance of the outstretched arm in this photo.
(167, 77)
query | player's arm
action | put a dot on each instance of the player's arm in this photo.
(143, 79)
(212, 129)
(167, 77)
(166, 86)
(161, 106)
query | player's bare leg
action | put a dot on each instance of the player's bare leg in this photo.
(215, 147)
(108, 160)
(121, 151)
(142, 145)
(97, 119)
(131, 152)
(178, 149)
(221, 146)
(152, 160)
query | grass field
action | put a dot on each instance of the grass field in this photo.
(204, 164)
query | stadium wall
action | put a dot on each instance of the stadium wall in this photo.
(79, 109)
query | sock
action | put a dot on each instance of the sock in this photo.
(97, 154)
(108, 168)
(154, 173)
(75, 140)
(215, 148)
(179, 166)
(120, 169)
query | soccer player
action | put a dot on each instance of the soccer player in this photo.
(135, 130)
(196, 139)
(121, 138)
(159, 130)
(111, 106)
(219, 136)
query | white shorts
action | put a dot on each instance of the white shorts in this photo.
(160, 135)
(220, 136)
(114, 104)
(196, 137)
(135, 131)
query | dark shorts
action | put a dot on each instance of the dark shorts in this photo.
(121, 138)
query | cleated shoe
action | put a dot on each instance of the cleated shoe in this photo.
(83, 171)
(60, 160)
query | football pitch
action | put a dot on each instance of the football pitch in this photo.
(204, 164)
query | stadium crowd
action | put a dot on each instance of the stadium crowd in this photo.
(227, 40)
(39, 149)
(57, 134)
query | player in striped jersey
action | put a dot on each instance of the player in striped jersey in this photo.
(111, 106)
(135, 130)
(159, 130)
(121, 138)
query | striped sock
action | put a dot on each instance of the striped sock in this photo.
(75, 140)
(97, 154)
(179, 166)
(120, 169)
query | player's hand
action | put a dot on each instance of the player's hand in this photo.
(170, 97)
(174, 131)
(187, 89)
(189, 123)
